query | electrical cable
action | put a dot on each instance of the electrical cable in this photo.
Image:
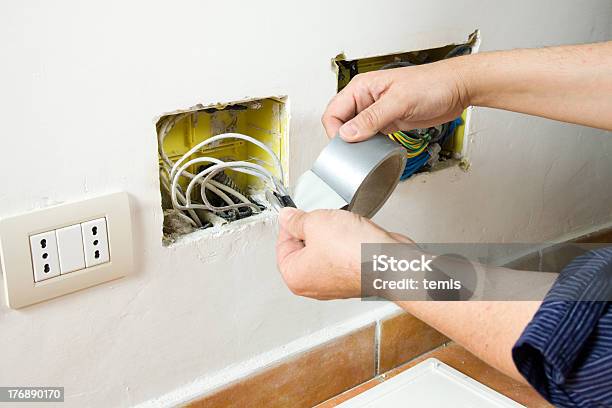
(178, 169)
(414, 146)
(417, 147)
(165, 180)
(213, 186)
(209, 172)
(413, 165)
(223, 178)
(163, 129)
(223, 136)
(195, 179)
(230, 190)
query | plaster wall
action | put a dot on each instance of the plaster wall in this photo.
(81, 84)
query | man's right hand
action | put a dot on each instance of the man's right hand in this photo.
(397, 99)
(319, 253)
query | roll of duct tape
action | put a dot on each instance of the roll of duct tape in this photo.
(357, 176)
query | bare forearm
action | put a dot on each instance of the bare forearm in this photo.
(487, 329)
(568, 83)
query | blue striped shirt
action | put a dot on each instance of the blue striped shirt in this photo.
(565, 352)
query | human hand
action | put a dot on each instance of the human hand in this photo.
(319, 253)
(406, 98)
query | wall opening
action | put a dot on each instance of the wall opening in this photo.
(181, 136)
(428, 149)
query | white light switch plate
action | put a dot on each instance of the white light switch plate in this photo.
(17, 264)
(70, 248)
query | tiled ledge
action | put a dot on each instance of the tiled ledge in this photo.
(330, 369)
(402, 338)
(462, 360)
(303, 380)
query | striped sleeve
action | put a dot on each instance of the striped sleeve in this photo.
(565, 352)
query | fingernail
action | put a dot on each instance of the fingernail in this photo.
(286, 213)
(348, 130)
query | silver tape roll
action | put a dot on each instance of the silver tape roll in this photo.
(359, 176)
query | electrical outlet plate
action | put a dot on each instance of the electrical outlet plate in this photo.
(15, 232)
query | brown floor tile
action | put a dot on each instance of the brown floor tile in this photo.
(345, 396)
(404, 337)
(304, 380)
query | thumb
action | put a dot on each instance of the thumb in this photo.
(371, 120)
(292, 221)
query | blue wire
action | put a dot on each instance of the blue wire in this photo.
(451, 129)
(414, 164)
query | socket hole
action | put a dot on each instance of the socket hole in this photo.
(445, 145)
(265, 119)
(43, 243)
(47, 268)
(45, 255)
(97, 254)
(95, 242)
(94, 230)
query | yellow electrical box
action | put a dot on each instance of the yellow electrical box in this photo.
(262, 119)
(265, 120)
(348, 68)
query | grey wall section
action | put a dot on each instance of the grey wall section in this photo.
(81, 85)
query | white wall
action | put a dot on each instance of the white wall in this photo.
(80, 84)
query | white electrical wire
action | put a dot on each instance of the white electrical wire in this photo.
(208, 204)
(166, 183)
(230, 190)
(239, 166)
(214, 187)
(163, 130)
(223, 136)
(178, 169)
(215, 190)
(182, 172)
